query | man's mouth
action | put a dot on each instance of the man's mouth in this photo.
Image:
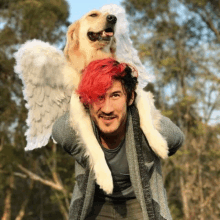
(104, 35)
(107, 117)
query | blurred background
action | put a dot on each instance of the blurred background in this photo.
(179, 43)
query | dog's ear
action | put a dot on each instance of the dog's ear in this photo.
(113, 46)
(72, 37)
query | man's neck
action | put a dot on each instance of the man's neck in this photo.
(111, 142)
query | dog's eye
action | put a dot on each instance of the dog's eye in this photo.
(93, 15)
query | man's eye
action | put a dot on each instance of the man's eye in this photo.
(115, 95)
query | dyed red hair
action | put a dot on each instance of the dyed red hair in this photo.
(98, 77)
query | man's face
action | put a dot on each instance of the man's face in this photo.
(110, 112)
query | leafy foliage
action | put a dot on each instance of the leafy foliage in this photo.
(24, 174)
(180, 39)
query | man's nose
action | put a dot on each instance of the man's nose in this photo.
(107, 106)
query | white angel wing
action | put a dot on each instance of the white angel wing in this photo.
(40, 67)
(124, 49)
(126, 52)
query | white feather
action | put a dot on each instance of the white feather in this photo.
(40, 66)
(125, 51)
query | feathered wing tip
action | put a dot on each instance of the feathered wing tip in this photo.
(40, 67)
(33, 48)
(125, 51)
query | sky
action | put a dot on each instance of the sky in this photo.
(77, 10)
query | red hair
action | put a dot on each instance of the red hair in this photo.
(97, 78)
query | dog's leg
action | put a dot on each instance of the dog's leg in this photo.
(80, 121)
(145, 105)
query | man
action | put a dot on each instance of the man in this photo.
(138, 185)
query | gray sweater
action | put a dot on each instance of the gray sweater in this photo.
(144, 167)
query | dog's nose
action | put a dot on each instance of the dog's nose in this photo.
(111, 19)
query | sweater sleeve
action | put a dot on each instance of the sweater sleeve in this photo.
(65, 136)
(173, 135)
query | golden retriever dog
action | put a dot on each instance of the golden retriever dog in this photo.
(88, 39)
(50, 79)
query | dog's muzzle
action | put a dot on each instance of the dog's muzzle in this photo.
(111, 19)
(107, 33)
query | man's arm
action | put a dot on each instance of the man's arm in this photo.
(173, 135)
(65, 136)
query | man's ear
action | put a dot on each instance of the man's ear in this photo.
(131, 99)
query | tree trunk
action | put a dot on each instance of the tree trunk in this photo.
(7, 202)
(184, 199)
(62, 208)
(24, 204)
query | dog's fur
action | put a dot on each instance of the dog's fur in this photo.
(79, 52)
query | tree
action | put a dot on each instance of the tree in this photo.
(29, 176)
(180, 40)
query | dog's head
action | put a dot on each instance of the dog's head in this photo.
(99, 27)
(94, 31)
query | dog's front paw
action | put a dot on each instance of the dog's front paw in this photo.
(158, 144)
(103, 176)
